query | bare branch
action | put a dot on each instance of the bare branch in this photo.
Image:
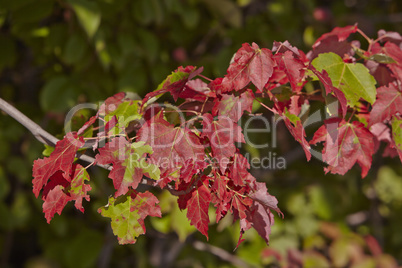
(40, 134)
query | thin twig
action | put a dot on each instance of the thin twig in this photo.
(221, 253)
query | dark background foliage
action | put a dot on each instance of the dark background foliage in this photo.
(56, 54)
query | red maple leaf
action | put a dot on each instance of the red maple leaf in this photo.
(147, 206)
(238, 169)
(262, 196)
(71, 189)
(239, 208)
(281, 47)
(240, 205)
(87, 124)
(172, 146)
(175, 83)
(111, 103)
(219, 186)
(345, 144)
(55, 202)
(393, 51)
(222, 134)
(78, 188)
(61, 159)
(260, 214)
(388, 103)
(233, 106)
(262, 219)
(196, 89)
(341, 32)
(221, 196)
(197, 207)
(250, 63)
(295, 127)
(331, 44)
(329, 88)
(292, 66)
(54, 180)
(128, 165)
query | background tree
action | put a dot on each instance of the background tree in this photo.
(55, 54)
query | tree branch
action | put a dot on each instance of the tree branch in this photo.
(39, 133)
(46, 138)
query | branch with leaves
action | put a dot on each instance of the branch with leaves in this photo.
(189, 147)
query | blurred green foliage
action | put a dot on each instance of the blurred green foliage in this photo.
(56, 54)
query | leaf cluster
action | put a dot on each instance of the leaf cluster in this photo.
(190, 147)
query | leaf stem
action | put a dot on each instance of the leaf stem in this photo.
(369, 40)
(206, 78)
(351, 116)
(265, 106)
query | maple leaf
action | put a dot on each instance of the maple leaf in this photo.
(260, 214)
(168, 176)
(239, 206)
(78, 188)
(331, 44)
(345, 144)
(295, 127)
(293, 68)
(111, 103)
(61, 159)
(233, 106)
(196, 89)
(129, 162)
(71, 189)
(87, 124)
(197, 204)
(128, 213)
(250, 63)
(393, 51)
(262, 196)
(55, 202)
(118, 119)
(172, 146)
(238, 170)
(262, 219)
(282, 47)
(219, 186)
(174, 83)
(116, 112)
(329, 88)
(394, 37)
(340, 32)
(381, 132)
(188, 170)
(397, 135)
(388, 103)
(380, 72)
(54, 180)
(220, 195)
(222, 134)
(353, 79)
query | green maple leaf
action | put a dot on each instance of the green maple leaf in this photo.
(353, 79)
(128, 213)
